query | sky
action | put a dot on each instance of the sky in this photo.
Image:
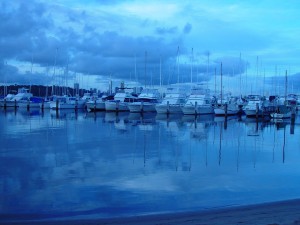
(148, 42)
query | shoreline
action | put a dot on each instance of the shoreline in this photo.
(283, 212)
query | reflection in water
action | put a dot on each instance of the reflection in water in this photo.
(65, 163)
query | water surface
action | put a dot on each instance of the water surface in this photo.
(56, 165)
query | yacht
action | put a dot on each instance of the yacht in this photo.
(146, 101)
(255, 106)
(199, 102)
(23, 96)
(120, 101)
(8, 97)
(67, 102)
(172, 102)
(229, 102)
(98, 104)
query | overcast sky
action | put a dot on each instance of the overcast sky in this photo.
(128, 40)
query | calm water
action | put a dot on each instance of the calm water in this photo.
(106, 165)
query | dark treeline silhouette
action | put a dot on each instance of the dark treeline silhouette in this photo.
(41, 91)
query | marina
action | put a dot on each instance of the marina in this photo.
(111, 165)
(149, 112)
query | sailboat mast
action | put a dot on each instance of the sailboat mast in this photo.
(285, 89)
(221, 86)
(215, 81)
(160, 71)
(31, 73)
(178, 64)
(135, 68)
(240, 71)
(192, 66)
(53, 77)
(145, 68)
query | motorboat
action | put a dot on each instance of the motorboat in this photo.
(199, 102)
(146, 101)
(172, 102)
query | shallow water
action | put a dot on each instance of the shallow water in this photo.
(70, 165)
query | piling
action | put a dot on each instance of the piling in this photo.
(196, 108)
(142, 107)
(76, 105)
(56, 105)
(95, 106)
(168, 108)
(117, 106)
(4, 104)
(28, 105)
(256, 111)
(226, 109)
(43, 102)
(225, 123)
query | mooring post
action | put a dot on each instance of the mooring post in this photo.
(4, 103)
(168, 107)
(28, 104)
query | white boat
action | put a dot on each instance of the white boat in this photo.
(254, 106)
(67, 102)
(172, 102)
(98, 104)
(23, 96)
(32, 102)
(282, 112)
(227, 106)
(120, 101)
(286, 105)
(146, 101)
(199, 102)
(8, 97)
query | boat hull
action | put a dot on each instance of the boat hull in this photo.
(192, 110)
(220, 111)
(168, 109)
(98, 106)
(138, 107)
(252, 112)
(116, 106)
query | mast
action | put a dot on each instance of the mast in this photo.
(135, 68)
(221, 86)
(192, 66)
(178, 64)
(53, 76)
(240, 71)
(145, 68)
(160, 72)
(285, 88)
(31, 73)
(215, 81)
(207, 69)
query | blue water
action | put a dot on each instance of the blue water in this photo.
(85, 165)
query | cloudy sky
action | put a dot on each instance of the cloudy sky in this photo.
(92, 41)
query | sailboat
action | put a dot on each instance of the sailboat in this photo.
(283, 110)
(227, 105)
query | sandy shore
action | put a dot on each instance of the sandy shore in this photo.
(283, 213)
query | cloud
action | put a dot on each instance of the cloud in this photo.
(163, 30)
(187, 28)
(107, 38)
